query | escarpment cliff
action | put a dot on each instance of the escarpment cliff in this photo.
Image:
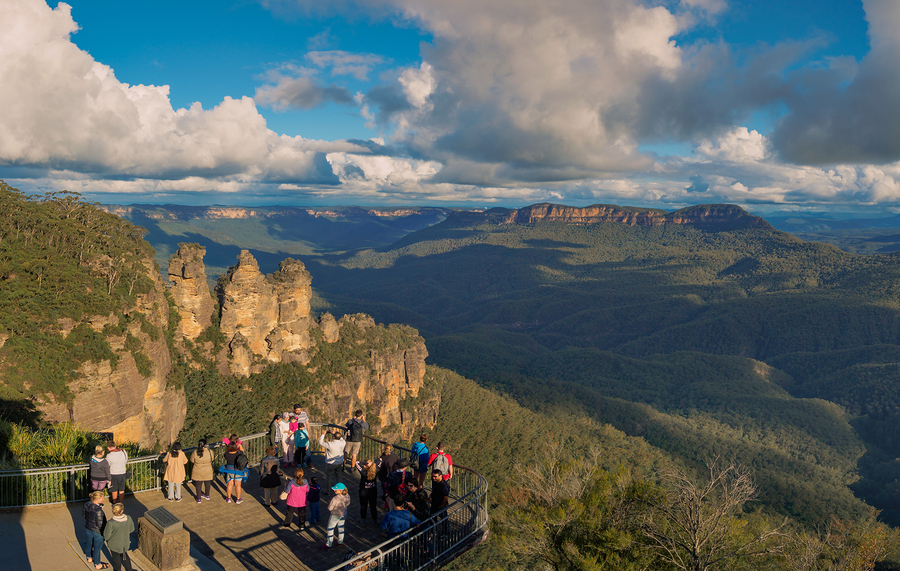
(711, 216)
(126, 394)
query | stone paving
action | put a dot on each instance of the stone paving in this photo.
(250, 536)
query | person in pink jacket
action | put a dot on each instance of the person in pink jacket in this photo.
(296, 499)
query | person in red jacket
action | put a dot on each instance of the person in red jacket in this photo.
(442, 461)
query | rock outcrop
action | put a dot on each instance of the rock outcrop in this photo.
(389, 387)
(126, 399)
(264, 319)
(188, 286)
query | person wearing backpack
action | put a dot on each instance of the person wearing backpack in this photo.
(356, 427)
(442, 461)
(418, 459)
(235, 470)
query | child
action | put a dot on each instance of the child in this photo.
(337, 509)
(270, 484)
(296, 491)
(312, 501)
(301, 442)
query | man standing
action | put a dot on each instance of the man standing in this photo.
(399, 520)
(333, 444)
(356, 427)
(302, 417)
(441, 461)
(118, 467)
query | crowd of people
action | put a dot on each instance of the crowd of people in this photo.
(398, 482)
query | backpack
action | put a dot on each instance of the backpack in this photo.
(354, 430)
(241, 461)
(441, 463)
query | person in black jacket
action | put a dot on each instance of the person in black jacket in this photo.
(94, 522)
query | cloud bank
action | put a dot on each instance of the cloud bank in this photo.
(512, 101)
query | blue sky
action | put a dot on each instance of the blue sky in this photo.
(790, 105)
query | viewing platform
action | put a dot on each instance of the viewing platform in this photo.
(250, 536)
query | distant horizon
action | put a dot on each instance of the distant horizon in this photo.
(835, 215)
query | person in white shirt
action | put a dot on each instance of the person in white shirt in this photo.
(118, 467)
(333, 444)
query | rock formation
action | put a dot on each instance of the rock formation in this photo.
(390, 386)
(119, 398)
(188, 286)
(264, 319)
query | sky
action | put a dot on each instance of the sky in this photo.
(774, 105)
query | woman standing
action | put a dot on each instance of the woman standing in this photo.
(275, 433)
(118, 537)
(296, 499)
(234, 477)
(94, 523)
(99, 469)
(337, 507)
(175, 460)
(202, 472)
(368, 490)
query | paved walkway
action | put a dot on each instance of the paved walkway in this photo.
(223, 536)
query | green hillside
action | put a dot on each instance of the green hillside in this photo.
(703, 340)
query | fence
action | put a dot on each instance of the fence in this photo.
(436, 541)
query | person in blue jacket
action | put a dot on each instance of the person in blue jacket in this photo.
(399, 520)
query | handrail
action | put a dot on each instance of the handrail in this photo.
(437, 540)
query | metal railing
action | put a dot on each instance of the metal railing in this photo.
(433, 543)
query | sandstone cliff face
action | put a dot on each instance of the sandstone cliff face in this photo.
(188, 286)
(710, 216)
(389, 389)
(120, 399)
(264, 319)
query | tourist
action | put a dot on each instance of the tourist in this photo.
(368, 490)
(202, 471)
(356, 427)
(312, 501)
(175, 461)
(417, 500)
(440, 492)
(287, 437)
(337, 509)
(269, 460)
(235, 472)
(399, 520)
(386, 464)
(442, 461)
(118, 468)
(275, 432)
(270, 483)
(396, 481)
(333, 444)
(302, 417)
(94, 522)
(419, 457)
(118, 537)
(99, 469)
(295, 494)
(301, 444)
